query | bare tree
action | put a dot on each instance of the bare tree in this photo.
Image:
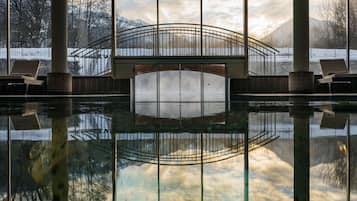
(30, 23)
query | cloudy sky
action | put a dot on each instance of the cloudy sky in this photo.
(264, 15)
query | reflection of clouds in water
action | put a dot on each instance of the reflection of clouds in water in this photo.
(146, 84)
(270, 179)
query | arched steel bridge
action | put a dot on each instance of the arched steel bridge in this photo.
(175, 40)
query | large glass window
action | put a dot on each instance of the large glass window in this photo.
(353, 35)
(273, 160)
(3, 157)
(329, 172)
(181, 39)
(353, 155)
(89, 37)
(2, 37)
(30, 32)
(133, 14)
(327, 31)
(272, 23)
(227, 15)
(223, 180)
(137, 180)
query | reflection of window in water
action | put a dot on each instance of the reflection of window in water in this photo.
(180, 82)
(179, 110)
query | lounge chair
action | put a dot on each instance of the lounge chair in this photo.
(24, 72)
(331, 119)
(331, 69)
(28, 120)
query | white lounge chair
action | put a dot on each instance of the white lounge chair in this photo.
(24, 72)
(331, 69)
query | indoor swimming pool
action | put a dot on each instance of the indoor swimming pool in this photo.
(114, 149)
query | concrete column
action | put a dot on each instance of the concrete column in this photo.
(301, 80)
(59, 81)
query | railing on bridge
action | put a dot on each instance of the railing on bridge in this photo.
(175, 39)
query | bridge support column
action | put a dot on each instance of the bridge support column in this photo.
(59, 81)
(301, 80)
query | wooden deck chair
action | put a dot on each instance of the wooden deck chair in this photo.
(24, 72)
(333, 68)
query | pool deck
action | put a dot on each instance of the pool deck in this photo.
(67, 96)
(251, 95)
(297, 95)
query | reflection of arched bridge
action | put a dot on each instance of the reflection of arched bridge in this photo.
(175, 40)
(187, 149)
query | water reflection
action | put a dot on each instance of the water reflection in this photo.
(106, 150)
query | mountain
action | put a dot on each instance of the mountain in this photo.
(125, 23)
(283, 35)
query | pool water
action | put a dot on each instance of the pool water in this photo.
(113, 149)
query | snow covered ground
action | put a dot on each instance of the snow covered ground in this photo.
(93, 66)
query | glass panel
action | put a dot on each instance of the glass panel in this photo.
(179, 39)
(170, 82)
(214, 82)
(215, 109)
(183, 11)
(89, 37)
(146, 83)
(271, 22)
(30, 32)
(181, 182)
(137, 180)
(191, 110)
(221, 21)
(191, 82)
(3, 37)
(31, 158)
(3, 157)
(146, 109)
(228, 15)
(275, 160)
(353, 156)
(131, 14)
(91, 165)
(223, 180)
(327, 31)
(170, 111)
(353, 35)
(328, 174)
